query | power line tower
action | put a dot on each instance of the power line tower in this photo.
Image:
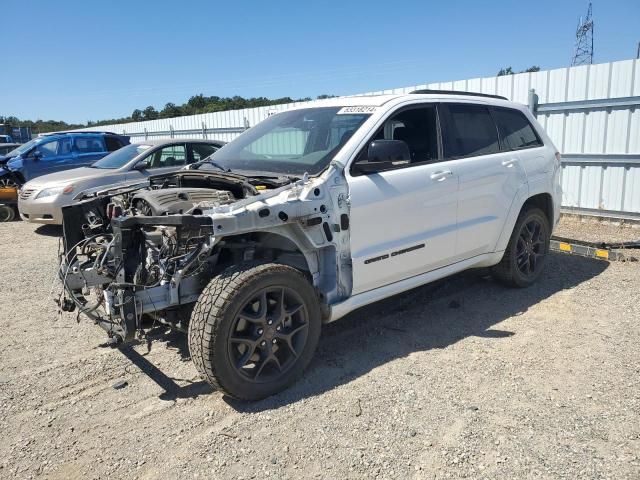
(583, 51)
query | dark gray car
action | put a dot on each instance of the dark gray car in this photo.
(40, 200)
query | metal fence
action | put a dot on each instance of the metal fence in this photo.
(590, 112)
(601, 154)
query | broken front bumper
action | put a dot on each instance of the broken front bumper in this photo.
(99, 278)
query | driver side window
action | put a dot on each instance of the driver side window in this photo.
(48, 149)
(417, 127)
(169, 156)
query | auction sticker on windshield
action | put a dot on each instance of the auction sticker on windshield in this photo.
(357, 109)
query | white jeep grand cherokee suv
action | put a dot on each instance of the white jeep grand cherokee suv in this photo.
(312, 213)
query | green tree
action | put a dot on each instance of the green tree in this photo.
(197, 102)
(170, 110)
(150, 113)
(509, 70)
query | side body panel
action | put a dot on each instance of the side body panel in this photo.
(403, 223)
(488, 186)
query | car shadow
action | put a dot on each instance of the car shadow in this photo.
(49, 230)
(172, 389)
(433, 316)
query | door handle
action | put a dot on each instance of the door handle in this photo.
(441, 176)
(509, 163)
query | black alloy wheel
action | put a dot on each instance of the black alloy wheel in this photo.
(524, 258)
(254, 329)
(530, 246)
(268, 334)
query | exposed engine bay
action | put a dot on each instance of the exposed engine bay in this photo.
(171, 201)
(147, 251)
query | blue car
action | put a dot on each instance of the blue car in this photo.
(55, 152)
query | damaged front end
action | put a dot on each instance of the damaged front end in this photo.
(127, 267)
(140, 255)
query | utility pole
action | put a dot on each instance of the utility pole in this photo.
(583, 50)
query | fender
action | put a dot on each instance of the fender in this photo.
(522, 194)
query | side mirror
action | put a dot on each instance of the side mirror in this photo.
(384, 155)
(36, 155)
(141, 165)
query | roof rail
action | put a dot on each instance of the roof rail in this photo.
(80, 131)
(454, 92)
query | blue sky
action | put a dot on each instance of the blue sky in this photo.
(89, 60)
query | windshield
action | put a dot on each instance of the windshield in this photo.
(121, 157)
(292, 142)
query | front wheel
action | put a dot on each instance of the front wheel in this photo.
(7, 213)
(254, 329)
(8, 182)
(525, 256)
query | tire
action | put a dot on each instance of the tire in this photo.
(512, 269)
(247, 316)
(7, 213)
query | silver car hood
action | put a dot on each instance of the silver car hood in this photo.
(68, 176)
(74, 175)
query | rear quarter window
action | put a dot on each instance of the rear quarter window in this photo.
(113, 144)
(515, 129)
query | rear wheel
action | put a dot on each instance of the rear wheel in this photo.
(526, 252)
(254, 329)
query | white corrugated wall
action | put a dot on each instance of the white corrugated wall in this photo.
(596, 133)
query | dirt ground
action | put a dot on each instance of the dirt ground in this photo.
(458, 379)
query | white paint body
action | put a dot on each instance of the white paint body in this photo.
(461, 212)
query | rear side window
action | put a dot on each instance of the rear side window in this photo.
(515, 129)
(468, 131)
(89, 145)
(65, 146)
(113, 144)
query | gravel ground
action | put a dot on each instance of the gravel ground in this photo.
(458, 379)
(594, 230)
